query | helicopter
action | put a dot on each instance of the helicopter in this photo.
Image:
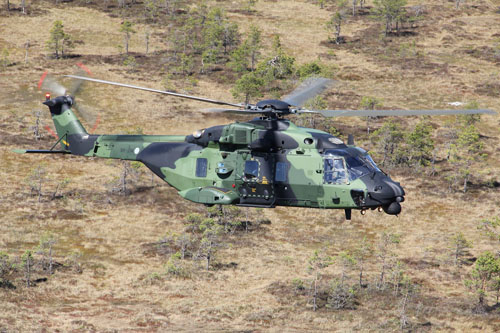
(265, 162)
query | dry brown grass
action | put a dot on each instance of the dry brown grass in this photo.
(117, 289)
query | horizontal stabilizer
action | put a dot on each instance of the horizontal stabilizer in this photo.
(38, 151)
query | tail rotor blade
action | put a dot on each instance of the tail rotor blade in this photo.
(87, 116)
(50, 84)
(77, 83)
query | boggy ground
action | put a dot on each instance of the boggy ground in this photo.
(111, 267)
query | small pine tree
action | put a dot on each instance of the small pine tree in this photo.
(335, 24)
(495, 286)
(346, 261)
(254, 44)
(386, 255)
(4, 58)
(151, 10)
(464, 152)
(361, 253)
(36, 128)
(389, 141)
(245, 56)
(5, 269)
(313, 68)
(486, 269)
(390, 12)
(249, 5)
(277, 67)
(36, 179)
(46, 249)
(336, 20)
(459, 246)
(239, 58)
(230, 218)
(397, 274)
(408, 290)
(193, 222)
(175, 266)
(58, 38)
(27, 264)
(219, 35)
(127, 28)
(249, 85)
(317, 262)
(184, 242)
(490, 228)
(210, 241)
(340, 296)
(420, 144)
(186, 64)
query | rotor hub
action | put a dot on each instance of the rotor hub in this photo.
(274, 104)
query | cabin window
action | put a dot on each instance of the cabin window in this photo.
(251, 169)
(335, 172)
(281, 172)
(201, 167)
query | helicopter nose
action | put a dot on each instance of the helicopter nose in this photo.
(387, 193)
(387, 189)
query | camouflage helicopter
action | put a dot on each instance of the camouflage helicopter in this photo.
(265, 162)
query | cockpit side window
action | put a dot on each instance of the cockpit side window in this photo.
(335, 172)
(281, 172)
(201, 167)
(251, 169)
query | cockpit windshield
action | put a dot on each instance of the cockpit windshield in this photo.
(358, 162)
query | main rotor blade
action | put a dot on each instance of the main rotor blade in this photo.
(310, 88)
(201, 99)
(235, 111)
(376, 113)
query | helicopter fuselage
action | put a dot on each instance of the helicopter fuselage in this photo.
(265, 162)
(262, 163)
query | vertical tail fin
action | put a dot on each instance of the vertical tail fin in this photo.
(68, 127)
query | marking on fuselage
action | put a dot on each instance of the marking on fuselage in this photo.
(136, 150)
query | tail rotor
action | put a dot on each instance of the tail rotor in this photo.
(48, 83)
